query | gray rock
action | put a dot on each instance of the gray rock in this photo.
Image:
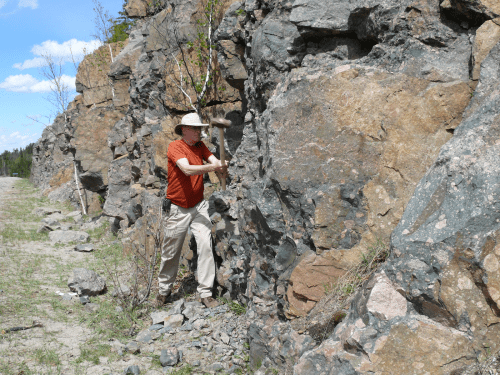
(67, 297)
(177, 307)
(156, 327)
(44, 211)
(169, 357)
(91, 307)
(86, 282)
(68, 236)
(132, 370)
(84, 300)
(224, 338)
(186, 327)
(85, 248)
(174, 321)
(220, 350)
(74, 215)
(192, 310)
(144, 336)
(123, 291)
(56, 216)
(132, 348)
(165, 330)
(196, 344)
(199, 324)
(159, 316)
(216, 366)
(50, 221)
(46, 229)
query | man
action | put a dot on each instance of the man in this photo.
(189, 209)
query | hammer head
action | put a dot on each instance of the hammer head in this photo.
(220, 122)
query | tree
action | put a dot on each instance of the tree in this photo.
(190, 67)
(60, 92)
(17, 161)
(109, 29)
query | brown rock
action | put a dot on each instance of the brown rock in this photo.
(311, 279)
(492, 5)
(90, 140)
(487, 36)
(371, 137)
(136, 8)
(92, 77)
(63, 176)
(429, 348)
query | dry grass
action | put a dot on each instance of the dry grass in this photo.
(332, 309)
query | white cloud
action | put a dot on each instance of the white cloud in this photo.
(37, 62)
(28, 84)
(60, 52)
(33, 4)
(17, 140)
(2, 3)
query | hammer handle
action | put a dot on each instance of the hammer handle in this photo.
(222, 154)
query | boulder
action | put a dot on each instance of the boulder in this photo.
(132, 370)
(50, 221)
(55, 217)
(193, 309)
(173, 321)
(169, 357)
(65, 236)
(86, 282)
(47, 228)
(159, 316)
(84, 248)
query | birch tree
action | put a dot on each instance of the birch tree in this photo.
(60, 93)
(190, 63)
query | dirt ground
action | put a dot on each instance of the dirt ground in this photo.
(73, 338)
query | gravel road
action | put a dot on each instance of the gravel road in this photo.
(6, 189)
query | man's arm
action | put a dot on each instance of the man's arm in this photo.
(192, 170)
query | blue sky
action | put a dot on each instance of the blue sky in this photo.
(29, 29)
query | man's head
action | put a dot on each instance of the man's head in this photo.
(190, 126)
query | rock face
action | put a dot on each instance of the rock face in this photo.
(443, 272)
(355, 123)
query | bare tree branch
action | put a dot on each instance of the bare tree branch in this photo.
(60, 93)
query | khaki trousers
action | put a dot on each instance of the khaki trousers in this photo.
(176, 227)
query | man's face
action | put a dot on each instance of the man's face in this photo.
(191, 133)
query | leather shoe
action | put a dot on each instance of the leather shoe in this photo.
(210, 302)
(161, 299)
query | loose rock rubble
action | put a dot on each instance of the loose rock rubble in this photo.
(185, 333)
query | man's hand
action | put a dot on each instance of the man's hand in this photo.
(219, 168)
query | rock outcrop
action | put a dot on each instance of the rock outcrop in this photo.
(355, 123)
(442, 281)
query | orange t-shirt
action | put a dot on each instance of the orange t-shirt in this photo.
(182, 190)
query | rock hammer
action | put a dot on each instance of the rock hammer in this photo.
(221, 123)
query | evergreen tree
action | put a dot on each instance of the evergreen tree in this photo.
(17, 161)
